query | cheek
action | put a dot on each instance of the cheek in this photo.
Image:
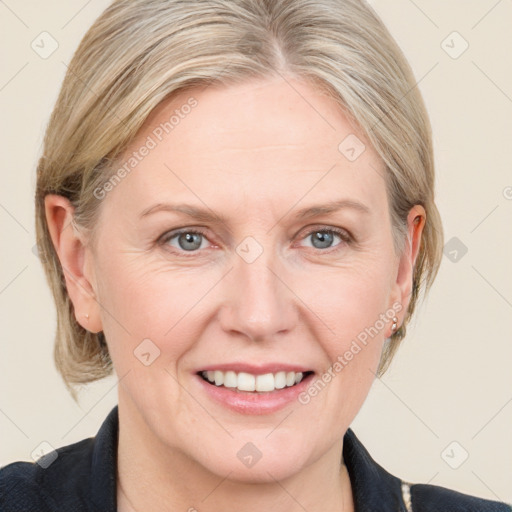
(350, 301)
(142, 300)
(353, 305)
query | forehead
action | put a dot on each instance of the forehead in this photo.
(275, 115)
(265, 140)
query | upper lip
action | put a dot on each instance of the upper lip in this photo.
(256, 369)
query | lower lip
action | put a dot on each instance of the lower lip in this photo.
(245, 402)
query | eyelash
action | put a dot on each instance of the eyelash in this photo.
(343, 234)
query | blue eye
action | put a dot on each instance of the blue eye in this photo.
(324, 238)
(188, 240)
(192, 240)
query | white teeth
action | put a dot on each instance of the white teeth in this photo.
(219, 378)
(265, 382)
(230, 380)
(280, 380)
(247, 382)
(290, 378)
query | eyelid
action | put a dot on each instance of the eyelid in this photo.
(345, 235)
(168, 235)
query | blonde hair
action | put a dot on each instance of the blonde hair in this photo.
(140, 52)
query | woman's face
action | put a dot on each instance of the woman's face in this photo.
(280, 284)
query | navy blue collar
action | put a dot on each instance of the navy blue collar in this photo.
(104, 465)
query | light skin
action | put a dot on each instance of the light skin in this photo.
(255, 153)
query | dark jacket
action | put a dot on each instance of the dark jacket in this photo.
(83, 479)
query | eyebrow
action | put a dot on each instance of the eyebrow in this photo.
(207, 215)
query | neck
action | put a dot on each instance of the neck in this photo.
(156, 477)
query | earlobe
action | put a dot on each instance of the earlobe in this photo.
(73, 256)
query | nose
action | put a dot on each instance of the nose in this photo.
(260, 304)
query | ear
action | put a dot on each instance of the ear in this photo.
(75, 258)
(403, 285)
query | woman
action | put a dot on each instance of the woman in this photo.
(236, 212)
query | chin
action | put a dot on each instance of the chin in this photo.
(264, 471)
(256, 461)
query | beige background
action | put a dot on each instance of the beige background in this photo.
(452, 379)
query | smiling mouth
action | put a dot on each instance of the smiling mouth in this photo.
(247, 382)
